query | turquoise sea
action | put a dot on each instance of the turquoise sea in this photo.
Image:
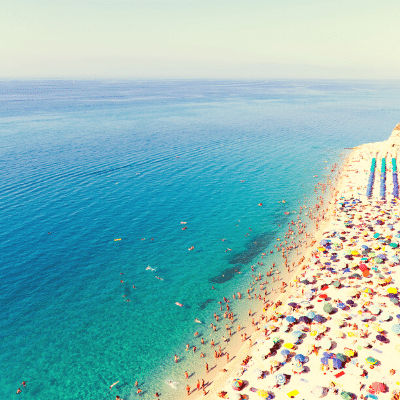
(84, 163)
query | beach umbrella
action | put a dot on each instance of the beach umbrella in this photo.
(345, 315)
(339, 322)
(345, 395)
(396, 329)
(335, 363)
(374, 310)
(237, 384)
(328, 308)
(325, 343)
(263, 393)
(300, 358)
(336, 284)
(257, 372)
(314, 333)
(301, 327)
(288, 345)
(274, 363)
(297, 334)
(349, 353)
(378, 387)
(298, 366)
(381, 338)
(319, 318)
(353, 292)
(318, 391)
(323, 296)
(392, 290)
(392, 295)
(311, 315)
(280, 379)
(368, 290)
(291, 319)
(385, 316)
(394, 300)
(285, 352)
(341, 357)
(304, 319)
(371, 360)
(341, 306)
(293, 305)
(339, 334)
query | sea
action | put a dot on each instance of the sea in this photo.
(97, 181)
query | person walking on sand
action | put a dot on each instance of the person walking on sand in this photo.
(188, 390)
(186, 375)
(207, 367)
(198, 385)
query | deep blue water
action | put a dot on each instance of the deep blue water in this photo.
(83, 163)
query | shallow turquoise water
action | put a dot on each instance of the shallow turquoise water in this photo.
(85, 163)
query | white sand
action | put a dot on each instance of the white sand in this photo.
(352, 183)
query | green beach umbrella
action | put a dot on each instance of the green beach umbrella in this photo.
(328, 308)
(336, 284)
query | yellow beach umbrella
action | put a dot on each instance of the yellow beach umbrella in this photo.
(392, 289)
(288, 345)
(313, 333)
(354, 253)
(349, 353)
(263, 393)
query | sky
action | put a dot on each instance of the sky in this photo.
(83, 39)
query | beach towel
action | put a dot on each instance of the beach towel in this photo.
(341, 373)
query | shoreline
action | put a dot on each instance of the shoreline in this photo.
(215, 379)
(343, 184)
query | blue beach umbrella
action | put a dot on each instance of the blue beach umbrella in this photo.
(297, 334)
(319, 318)
(280, 379)
(291, 319)
(311, 314)
(325, 360)
(304, 319)
(341, 306)
(300, 358)
(285, 352)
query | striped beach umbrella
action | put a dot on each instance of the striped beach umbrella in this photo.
(280, 379)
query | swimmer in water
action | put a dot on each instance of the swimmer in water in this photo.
(161, 279)
(198, 321)
(113, 384)
(172, 384)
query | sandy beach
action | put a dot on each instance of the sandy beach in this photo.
(334, 330)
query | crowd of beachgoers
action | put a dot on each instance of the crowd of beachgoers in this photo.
(333, 326)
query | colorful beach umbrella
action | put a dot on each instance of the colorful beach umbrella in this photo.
(291, 319)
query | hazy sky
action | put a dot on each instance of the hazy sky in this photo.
(200, 38)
